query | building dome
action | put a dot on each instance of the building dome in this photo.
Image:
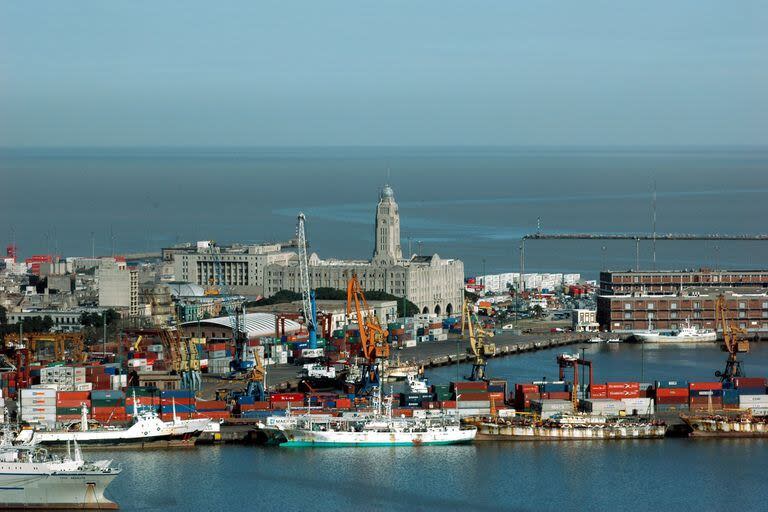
(387, 192)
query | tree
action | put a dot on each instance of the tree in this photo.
(3, 316)
(538, 311)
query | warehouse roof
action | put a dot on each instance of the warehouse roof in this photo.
(256, 324)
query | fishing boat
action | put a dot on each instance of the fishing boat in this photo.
(147, 430)
(32, 479)
(743, 424)
(400, 370)
(686, 334)
(595, 339)
(378, 429)
(320, 377)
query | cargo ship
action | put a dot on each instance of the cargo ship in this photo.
(378, 429)
(565, 427)
(147, 430)
(31, 479)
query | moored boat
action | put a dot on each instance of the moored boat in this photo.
(566, 427)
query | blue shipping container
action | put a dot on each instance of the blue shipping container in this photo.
(248, 400)
(106, 394)
(180, 409)
(730, 396)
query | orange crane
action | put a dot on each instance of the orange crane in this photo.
(478, 347)
(373, 337)
(734, 341)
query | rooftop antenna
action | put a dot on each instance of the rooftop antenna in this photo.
(654, 224)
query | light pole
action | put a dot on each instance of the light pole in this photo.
(104, 339)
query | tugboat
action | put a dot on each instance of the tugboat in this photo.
(147, 430)
(31, 479)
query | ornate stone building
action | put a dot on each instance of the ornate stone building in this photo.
(434, 284)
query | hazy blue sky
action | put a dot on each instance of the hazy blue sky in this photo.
(383, 72)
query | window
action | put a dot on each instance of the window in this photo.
(627, 327)
(650, 305)
(765, 314)
(674, 326)
(628, 316)
(742, 314)
(743, 325)
(650, 316)
(765, 305)
(742, 305)
(627, 305)
(697, 314)
(673, 314)
(697, 305)
(673, 305)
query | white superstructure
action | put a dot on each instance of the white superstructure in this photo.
(687, 334)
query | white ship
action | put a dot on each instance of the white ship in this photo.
(380, 429)
(687, 334)
(31, 479)
(147, 430)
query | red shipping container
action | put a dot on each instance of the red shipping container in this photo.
(284, 404)
(622, 386)
(668, 392)
(750, 382)
(618, 395)
(671, 400)
(287, 397)
(343, 403)
(464, 396)
(250, 407)
(213, 415)
(558, 395)
(72, 403)
(73, 395)
(698, 386)
(427, 404)
(497, 396)
(476, 386)
(210, 405)
(402, 412)
(448, 404)
(67, 417)
(526, 388)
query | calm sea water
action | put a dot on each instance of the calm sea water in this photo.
(470, 203)
(641, 475)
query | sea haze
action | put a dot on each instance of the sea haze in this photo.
(469, 203)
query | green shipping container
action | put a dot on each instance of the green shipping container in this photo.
(108, 402)
(140, 392)
(68, 410)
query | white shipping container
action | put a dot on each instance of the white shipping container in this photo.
(753, 399)
(85, 386)
(38, 392)
(38, 409)
(551, 405)
(410, 343)
(641, 405)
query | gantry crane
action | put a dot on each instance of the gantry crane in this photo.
(566, 360)
(58, 341)
(477, 345)
(373, 338)
(733, 341)
(309, 306)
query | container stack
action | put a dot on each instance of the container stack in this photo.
(65, 377)
(671, 395)
(69, 405)
(218, 357)
(548, 408)
(108, 406)
(705, 396)
(603, 407)
(38, 405)
(183, 400)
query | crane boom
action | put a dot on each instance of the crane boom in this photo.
(373, 338)
(307, 295)
(477, 345)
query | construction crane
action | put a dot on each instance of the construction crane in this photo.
(477, 345)
(235, 311)
(373, 338)
(734, 342)
(309, 306)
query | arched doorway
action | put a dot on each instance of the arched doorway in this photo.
(449, 309)
(437, 310)
(425, 311)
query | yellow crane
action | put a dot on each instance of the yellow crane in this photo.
(734, 341)
(477, 344)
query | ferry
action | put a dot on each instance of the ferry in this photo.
(147, 430)
(378, 429)
(32, 479)
(687, 334)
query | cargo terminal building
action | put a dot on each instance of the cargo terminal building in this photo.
(633, 301)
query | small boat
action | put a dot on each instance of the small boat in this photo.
(146, 430)
(32, 479)
(399, 370)
(613, 340)
(417, 384)
(320, 377)
(595, 339)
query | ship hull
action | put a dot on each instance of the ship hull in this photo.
(70, 491)
(302, 438)
(490, 432)
(706, 428)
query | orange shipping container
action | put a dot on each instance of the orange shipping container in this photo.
(73, 395)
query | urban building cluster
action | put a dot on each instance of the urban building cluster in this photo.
(631, 301)
(502, 283)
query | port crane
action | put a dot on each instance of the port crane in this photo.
(477, 344)
(734, 342)
(308, 304)
(373, 338)
(574, 361)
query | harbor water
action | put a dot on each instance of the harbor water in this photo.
(642, 475)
